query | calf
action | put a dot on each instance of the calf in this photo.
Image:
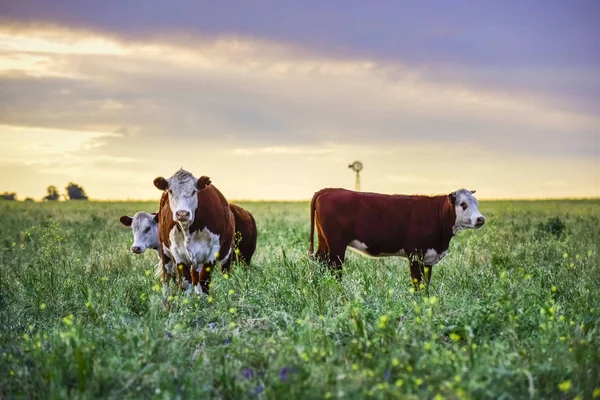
(416, 227)
(145, 236)
(197, 226)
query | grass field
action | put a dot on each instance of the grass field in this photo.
(513, 312)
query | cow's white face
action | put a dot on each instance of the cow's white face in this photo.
(467, 211)
(183, 190)
(145, 231)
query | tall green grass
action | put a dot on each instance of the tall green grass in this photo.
(513, 312)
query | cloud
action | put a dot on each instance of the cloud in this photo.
(241, 108)
(271, 93)
(283, 150)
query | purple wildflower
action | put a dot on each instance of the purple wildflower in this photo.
(284, 372)
(259, 389)
(248, 373)
(387, 375)
(227, 341)
(169, 335)
(212, 326)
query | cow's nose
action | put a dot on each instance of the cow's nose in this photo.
(136, 249)
(480, 221)
(182, 215)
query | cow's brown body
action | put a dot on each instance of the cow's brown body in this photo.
(246, 234)
(212, 213)
(408, 226)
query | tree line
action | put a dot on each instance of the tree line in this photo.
(72, 192)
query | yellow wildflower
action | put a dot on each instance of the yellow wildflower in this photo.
(455, 337)
(565, 386)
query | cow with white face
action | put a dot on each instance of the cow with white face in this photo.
(197, 226)
(467, 210)
(182, 189)
(144, 227)
(145, 230)
(416, 227)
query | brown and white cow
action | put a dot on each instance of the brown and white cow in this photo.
(197, 226)
(144, 227)
(416, 227)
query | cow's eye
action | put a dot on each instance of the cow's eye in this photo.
(170, 191)
(147, 229)
(193, 192)
(463, 205)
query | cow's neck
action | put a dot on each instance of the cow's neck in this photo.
(447, 219)
(197, 225)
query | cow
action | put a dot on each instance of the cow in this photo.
(415, 227)
(144, 227)
(197, 226)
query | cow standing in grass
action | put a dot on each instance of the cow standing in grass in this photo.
(197, 226)
(416, 227)
(144, 227)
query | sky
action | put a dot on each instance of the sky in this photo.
(273, 99)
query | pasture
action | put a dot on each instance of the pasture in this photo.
(513, 312)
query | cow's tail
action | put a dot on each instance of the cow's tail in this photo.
(313, 201)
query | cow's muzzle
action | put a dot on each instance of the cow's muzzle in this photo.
(479, 223)
(136, 249)
(182, 216)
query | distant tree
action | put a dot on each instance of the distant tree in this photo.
(52, 193)
(75, 192)
(28, 199)
(8, 196)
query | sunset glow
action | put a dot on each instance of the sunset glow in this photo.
(273, 118)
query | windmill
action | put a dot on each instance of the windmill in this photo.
(356, 166)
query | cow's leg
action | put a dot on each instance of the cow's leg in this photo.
(204, 277)
(337, 255)
(194, 270)
(428, 270)
(415, 272)
(226, 265)
(322, 253)
(184, 276)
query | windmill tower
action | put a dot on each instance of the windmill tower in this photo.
(356, 166)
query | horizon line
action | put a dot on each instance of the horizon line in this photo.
(128, 200)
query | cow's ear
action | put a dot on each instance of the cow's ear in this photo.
(161, 183)
(125, 220)
(452, 198)
(472, 191)
(203, 182)
(155, 215)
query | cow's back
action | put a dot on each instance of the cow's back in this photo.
(245, 226)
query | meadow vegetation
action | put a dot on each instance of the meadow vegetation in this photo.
(512, 312)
